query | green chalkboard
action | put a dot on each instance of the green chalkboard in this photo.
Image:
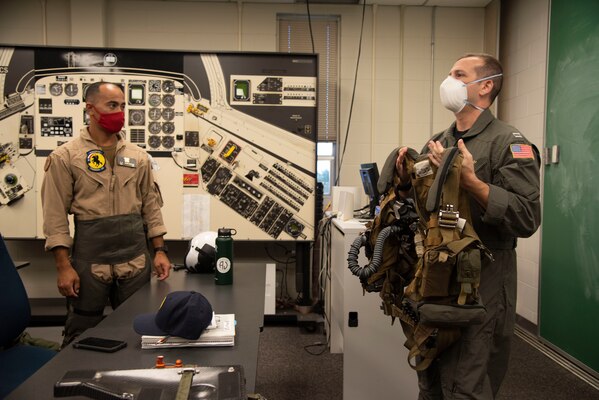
(569, 305)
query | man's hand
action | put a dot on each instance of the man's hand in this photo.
(468, 179)
(435, 152)
(162, 265)
(399, 166)
(68, 280)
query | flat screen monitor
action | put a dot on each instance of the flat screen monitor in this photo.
(370, 175)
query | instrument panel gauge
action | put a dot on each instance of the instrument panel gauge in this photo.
(168, 86)
(154, 85)
(137, 94)
(154, 100)
(294, 228)
(154, 114)
(155, 128)
(168, 100)
(11, 179)
(168, 142)
(137, 117)
(56, 89)
(168, 128)
(71, 89)
(168, 114)
(154, 141)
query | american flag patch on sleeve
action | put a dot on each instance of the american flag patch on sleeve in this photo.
(522, 151)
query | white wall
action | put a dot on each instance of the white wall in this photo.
(397, 66)
(523, 50)
(406, 52)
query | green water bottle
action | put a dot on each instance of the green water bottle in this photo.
(223, 274)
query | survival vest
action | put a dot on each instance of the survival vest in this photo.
(424, 257)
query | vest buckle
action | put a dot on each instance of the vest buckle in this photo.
(448, 218)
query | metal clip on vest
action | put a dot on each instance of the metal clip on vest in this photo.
(448, 218)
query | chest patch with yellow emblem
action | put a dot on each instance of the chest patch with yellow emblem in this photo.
(96, 161)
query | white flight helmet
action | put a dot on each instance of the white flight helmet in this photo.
(201, 255)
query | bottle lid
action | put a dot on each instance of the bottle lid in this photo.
(226, 232)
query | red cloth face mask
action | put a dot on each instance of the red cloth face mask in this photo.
(111, 122)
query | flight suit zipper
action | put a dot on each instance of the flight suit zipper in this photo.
(112, 196)
(113, 180)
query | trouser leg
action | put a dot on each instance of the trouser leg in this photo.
(130, 277)
(429, 383)
(506, 318)
(474, 367)
(463, 367)
(87, 310)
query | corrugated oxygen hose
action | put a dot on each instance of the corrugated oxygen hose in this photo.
(377, 256)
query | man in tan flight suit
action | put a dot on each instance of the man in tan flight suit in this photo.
(108, 185)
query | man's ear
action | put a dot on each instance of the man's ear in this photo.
(487, 87)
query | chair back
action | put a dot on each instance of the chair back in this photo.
(14, 303)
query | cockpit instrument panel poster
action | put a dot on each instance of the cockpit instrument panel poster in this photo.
(231, 136)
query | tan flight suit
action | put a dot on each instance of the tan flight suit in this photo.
(112, 206)
(474, 367)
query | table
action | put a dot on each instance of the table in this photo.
(21, 264)
(245, 299)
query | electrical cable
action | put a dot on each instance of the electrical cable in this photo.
(181, 166)
(283, 300)
(310, 25)
(29, 152)
(353, 96)
(324, 347)
(273, 258)
(324, 275)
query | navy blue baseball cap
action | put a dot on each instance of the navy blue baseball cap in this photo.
(184, 313)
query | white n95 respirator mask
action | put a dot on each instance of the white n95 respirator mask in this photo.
(454, 94)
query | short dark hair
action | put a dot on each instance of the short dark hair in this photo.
(92, 90)
(491, 66)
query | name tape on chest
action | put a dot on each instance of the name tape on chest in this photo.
(522, 151)
(126, 162)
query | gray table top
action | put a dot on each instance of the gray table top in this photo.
(245, 299)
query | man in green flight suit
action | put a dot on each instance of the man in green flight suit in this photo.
(500, 172)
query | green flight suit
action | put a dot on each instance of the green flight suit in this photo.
(474, 367)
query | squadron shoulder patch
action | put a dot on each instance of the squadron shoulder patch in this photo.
(522, 151)
(96, 161)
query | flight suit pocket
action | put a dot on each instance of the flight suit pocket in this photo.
(482, 169)
(130, 268)
(90, 186)
(514, 178)
(102, 272)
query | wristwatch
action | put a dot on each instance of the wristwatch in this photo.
(162, 248)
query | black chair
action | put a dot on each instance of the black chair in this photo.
(17, 361)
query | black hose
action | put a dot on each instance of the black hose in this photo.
(377, 256)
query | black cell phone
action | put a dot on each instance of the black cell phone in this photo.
(100, 344)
